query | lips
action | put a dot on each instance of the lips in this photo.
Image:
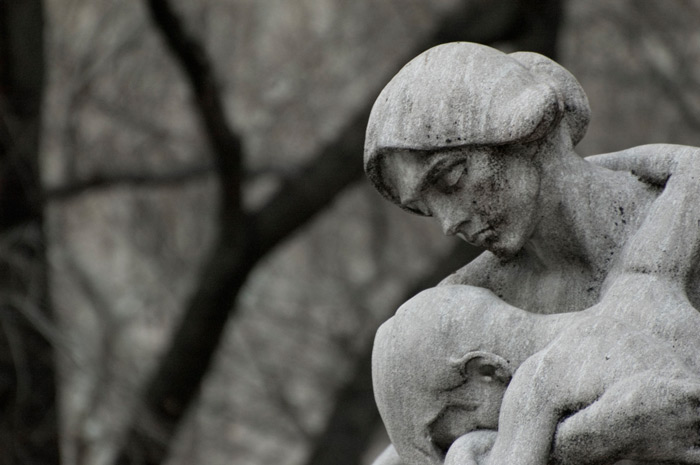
(477, 238)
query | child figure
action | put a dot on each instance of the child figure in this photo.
(443, 362)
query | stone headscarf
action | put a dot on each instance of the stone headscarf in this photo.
(463, 94)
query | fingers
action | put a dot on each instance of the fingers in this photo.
(471, 449)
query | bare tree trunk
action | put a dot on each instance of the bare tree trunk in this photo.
(28, 423)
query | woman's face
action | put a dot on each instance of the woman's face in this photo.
(488, 196)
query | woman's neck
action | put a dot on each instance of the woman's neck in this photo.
(588, 214)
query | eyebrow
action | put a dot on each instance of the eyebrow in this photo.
(437, 167)
(436, 163)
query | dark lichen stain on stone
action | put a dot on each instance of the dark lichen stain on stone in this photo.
(622, 214)
(448, 140)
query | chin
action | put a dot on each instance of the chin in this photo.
(504, 255)
(505, 250)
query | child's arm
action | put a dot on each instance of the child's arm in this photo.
(652, 163)
(529, 415)
(667, 244)
(649, 286)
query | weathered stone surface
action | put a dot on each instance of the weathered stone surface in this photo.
(604, 249)
(468, 94)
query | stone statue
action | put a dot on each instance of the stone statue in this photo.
(589, 367)
(484, 142)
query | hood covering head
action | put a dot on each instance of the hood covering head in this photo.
(466, 94)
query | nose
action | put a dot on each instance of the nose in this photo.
(450, 226)
(450, 215)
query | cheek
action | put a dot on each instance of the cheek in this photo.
(492, 188)
(455, 421)
(518, 201)
(524, 189)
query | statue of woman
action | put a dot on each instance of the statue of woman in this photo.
(484, 142)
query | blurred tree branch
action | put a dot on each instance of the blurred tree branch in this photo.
(174, 178)
(225, 143)
(244, 238)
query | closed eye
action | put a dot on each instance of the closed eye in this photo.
(450, 180)
(417, 207)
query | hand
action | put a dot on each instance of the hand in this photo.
(471, 449)
(645, 418)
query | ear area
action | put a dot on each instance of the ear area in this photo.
(484, 366)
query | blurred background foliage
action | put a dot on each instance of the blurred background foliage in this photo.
(192, 266)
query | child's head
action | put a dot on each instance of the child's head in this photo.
(440, 367)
